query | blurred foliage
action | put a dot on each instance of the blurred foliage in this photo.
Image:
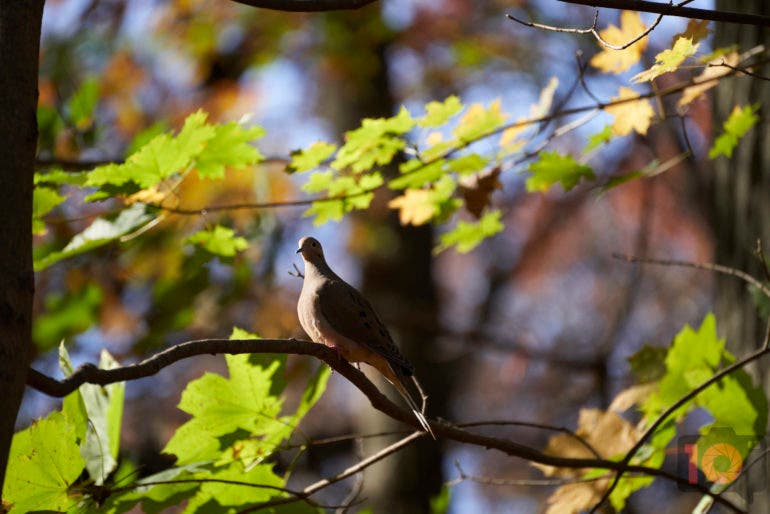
(150, 226)
(65, 462)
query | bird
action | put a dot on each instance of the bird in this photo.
(334, 313)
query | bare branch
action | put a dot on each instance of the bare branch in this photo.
(592, 30)
(678, 10)
(306, 5)
(89, 373)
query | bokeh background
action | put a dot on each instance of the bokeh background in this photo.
(533, 325)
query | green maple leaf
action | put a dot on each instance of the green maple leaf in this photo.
(738, 123)
(552, 167)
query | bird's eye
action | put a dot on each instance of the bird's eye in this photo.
(314, 245)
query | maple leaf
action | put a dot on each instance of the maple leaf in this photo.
(630, 116)
(668, 60)
(740, 121)
(616, 61)
(697, 30)
(706, 80)
(478, 188)
(416, 206)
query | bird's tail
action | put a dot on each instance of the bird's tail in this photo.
(404, 392)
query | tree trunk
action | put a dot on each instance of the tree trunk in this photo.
(19, 43)
(397, 275)
(740, 199)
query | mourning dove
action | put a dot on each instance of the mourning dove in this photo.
(334, 313)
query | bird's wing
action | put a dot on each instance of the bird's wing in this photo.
(352, 316)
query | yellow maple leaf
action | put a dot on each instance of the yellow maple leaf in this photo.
(616, 61)
(415, 207)
(668, 60)
(697, 30)
(706, 80)
(632, 115)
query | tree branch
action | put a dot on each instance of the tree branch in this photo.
(682, 12)
(306, 5)
(89, 373)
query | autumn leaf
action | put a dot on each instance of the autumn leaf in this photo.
(707, 79)
(477, 190)
(415, 207)
(509, 140)
(740, 121)
(609, 435)
(478, 121)
(631, 115)
(697, 30)
(616, 61)
(668, 60)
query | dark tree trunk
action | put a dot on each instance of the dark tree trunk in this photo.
(19, 42)
(740, 186)
(740, 198)
(397, 275)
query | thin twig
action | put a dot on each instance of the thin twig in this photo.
(718, 268)
(592, 30)
(743, 71)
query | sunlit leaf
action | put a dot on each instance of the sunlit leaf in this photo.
(737, 125)
(479, 120)
(43, 463)
(633, 115)
(344, 193)
(668, 60)
(467, 236)
(552, 167)
(59, 177)
(376, 142)
(220, 241)
(467, 164)
(707, 79)
(415, 207)
(99, 233)
(230, 146)
(44, 199)
(616, 61)
(311, 157)
(598, 139)
(416, 174)
(438, 113)
(103, 407)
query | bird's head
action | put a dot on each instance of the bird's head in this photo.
(311, 250)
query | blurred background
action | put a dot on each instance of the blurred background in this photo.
(533, 325)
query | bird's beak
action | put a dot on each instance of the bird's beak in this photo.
(298, 250)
